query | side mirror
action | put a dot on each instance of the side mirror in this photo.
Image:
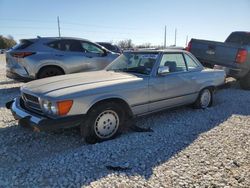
(163, 70)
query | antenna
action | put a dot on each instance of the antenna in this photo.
(58, 25)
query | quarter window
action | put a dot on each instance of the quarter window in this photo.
(190, 62)
(174, 61)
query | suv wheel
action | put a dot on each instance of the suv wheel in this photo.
(49, 71)
(103, 122)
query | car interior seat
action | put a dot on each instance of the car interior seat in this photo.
(172, 65)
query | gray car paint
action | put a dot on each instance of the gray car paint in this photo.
(69, 61)
(143, 93)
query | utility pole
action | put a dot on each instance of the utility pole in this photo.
(58, 25)
(165, 36)
(175, 37)
(187, 40)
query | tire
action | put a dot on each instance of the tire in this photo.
(205, 99)
(103, 122)
(245, 82)
(49, 71)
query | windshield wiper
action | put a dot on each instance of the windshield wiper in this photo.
(134, 71)
(128, 70)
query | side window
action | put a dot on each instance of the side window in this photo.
(66, 45)
(54, 44)
(174, 61)
(191, 64)
(88, 47)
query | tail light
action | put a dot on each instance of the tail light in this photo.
(22, 54)
(188, 48)
(241, 56)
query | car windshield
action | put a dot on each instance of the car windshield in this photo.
(134, 62)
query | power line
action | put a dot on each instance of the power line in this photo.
(28, 27)
(69, 23)
(70, 29)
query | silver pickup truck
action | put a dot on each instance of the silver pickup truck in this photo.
(101, 102)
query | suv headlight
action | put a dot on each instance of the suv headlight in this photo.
(60, 108)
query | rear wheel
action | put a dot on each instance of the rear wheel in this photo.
(104, 121)
(205, 99)
(245, 82)
(49, 71)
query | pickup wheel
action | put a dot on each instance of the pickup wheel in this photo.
(104, 121)
(245, 82)
(205, 99)
(49, 71)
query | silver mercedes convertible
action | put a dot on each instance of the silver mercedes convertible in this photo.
(101, 102)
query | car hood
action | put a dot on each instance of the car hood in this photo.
(73, 83)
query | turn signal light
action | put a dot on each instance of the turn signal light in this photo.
(64, 107)
(188, 48)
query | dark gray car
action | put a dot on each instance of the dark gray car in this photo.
(51, 56)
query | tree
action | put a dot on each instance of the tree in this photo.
(6, 43)
(145, 45)
(125, 44)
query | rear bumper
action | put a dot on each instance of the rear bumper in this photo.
(13, 75)
(41, 123)
(232, 72)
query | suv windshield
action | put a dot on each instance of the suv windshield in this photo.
(134, 62)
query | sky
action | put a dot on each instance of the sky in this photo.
(143, 21)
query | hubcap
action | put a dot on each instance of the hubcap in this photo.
(205, 98)
(106, 124)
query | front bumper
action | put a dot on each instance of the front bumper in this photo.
(41, 123)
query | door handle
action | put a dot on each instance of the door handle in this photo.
(89, 56)
(59, 55)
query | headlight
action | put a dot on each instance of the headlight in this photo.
(60, 108)
(49, 107)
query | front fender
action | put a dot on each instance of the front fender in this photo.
(82, 106)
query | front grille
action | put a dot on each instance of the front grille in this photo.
(31, 103)
(30, 98)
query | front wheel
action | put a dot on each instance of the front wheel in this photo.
(205, 99)
(104, 121)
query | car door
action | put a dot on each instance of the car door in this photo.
(173, 88)
(98, 57)
(69, 54)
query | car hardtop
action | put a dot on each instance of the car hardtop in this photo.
(160, 51)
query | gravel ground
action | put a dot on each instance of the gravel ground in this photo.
(187, 148)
